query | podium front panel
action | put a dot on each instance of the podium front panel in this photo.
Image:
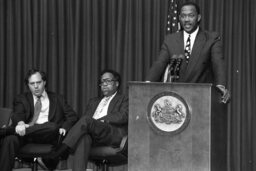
(187, 149)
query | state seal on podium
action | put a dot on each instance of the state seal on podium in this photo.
(168, 113)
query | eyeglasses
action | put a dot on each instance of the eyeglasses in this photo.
(106, 81)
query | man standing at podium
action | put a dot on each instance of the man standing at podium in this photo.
(193, 55)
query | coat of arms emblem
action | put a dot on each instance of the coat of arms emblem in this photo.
(168, 113)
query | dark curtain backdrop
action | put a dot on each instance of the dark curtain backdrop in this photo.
(73, 40)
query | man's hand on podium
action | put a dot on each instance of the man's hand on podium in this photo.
(225, 98)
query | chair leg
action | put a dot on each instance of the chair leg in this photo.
(105, 165)
(98, 167)
(34, 165)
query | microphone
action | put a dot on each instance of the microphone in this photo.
(172, 63)
(179, 59)
(170, 68)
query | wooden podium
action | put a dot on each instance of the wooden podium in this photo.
(176, 127)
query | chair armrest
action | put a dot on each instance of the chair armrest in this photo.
(60, 139)
(124, 142)
(123, 148)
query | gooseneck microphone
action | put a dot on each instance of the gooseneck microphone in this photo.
(179, 59)
(173, 61)
(175, 64)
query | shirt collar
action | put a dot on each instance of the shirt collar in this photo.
(110, 97)
(192, 38)
(191, 34)
(44, 95)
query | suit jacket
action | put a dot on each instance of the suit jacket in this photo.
(60, 112)
(117, 114)
(206, 63)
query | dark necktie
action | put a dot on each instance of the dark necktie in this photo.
(37, 111)
(188, 49)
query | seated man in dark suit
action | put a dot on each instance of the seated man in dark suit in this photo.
(39, 116)
(105, 122)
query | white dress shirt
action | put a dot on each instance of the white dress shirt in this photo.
(102, 109)
(43, 116)
(192, 38)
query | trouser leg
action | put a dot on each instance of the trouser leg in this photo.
(9, 148)
(101, 133)
(10, 145)
(81, 154)
(43, 133)
(7, 131)
(77, 131)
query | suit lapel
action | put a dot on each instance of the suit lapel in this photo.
(112, 103)
(180, 43)
(183, 67)
(31, 103)
(195, 55)
(94, 106)
(52, 107)
(110, 107)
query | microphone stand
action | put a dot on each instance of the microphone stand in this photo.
(177, 66)
(171, 73)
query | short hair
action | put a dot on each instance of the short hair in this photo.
(32, 72)
(190, 3)
(115, 74)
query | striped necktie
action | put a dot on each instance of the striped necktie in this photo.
(188, 49)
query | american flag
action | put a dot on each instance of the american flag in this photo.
(172, 17)
(172, 26)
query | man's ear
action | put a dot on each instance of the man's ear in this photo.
(44, 83)
(199, 18)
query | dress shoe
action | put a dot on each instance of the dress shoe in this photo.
(51, 161)
(42, 164)
(61, 152)
(49, 164)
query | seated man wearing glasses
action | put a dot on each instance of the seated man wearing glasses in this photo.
(105, 122)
